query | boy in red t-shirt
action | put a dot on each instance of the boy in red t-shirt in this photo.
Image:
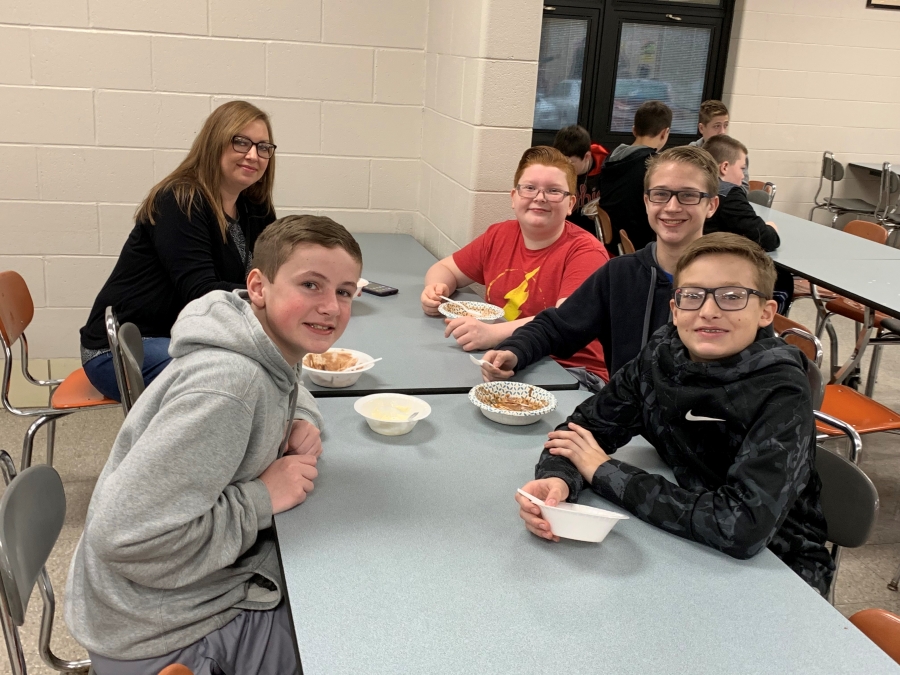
(527, 264)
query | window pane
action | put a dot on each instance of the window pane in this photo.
(560, 70)
(663, 63)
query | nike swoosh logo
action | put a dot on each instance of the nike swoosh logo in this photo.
(691, 417)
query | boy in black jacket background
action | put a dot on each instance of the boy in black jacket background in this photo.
(726, 405)
(587, 157)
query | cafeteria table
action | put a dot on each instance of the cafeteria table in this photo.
(410, 557)
(417, 358)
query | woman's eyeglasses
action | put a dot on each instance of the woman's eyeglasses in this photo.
(728, 298)
(242, 144)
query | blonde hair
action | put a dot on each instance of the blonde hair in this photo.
(278, 241)
(547, 156)
(711, 108)
(200, 173)
(728, 243)
(687, 154)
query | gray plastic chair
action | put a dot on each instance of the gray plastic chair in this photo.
(127, 351)
(32, 512)
(849, 501)
(833, 171)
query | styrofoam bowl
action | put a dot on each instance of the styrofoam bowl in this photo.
(489, 313)
(379, 409)
(577, 521)
(336, 378)
(513, 417)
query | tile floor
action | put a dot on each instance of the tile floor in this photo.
(84, 440)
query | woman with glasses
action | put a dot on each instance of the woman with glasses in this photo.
(527, 264)
(194, 233)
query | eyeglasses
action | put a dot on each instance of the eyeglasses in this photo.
(728, 298)
(242, 144)
(685, 197)
(550, 194)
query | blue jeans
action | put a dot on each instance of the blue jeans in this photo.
(100, 372)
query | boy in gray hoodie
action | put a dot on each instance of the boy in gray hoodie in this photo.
(177, 562)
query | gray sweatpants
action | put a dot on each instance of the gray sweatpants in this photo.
(254, 643)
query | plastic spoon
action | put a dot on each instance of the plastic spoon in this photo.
(361, 365)
(531, 498)
(413, 416)
(479, 362)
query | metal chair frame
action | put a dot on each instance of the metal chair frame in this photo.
(833, 170)
(763, 195)
(127, 357)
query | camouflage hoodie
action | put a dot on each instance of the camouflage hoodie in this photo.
(739, 435)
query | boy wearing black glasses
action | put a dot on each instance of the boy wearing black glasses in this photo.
(726, 405)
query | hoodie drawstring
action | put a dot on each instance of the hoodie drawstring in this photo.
(646, 332)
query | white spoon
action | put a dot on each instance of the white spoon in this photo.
(531, 498)
(444, 297)
(479, 362)
(361, 365)
(413, 416)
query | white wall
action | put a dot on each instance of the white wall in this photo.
(806, 76)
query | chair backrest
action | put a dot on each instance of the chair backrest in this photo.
(16, 306)
(866, 230)
(132, 348)
(795, 333)
(882, 628)
(760, 197)
(627, 246)
(606, 230)
(849, 499)
(32, 512)
(757, 185)
(832, 169)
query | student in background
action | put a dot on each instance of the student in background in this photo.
(622, 179)
(587, 158)
(627, 299)
(726, 405)
(526, 265)
(714, 121)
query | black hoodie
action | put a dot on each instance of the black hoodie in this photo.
(739, 435)
(621, 304)
(736, 215)
(622, 194)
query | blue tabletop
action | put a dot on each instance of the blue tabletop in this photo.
(409, 557)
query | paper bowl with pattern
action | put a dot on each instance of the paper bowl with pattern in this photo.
(477, 310)
(513, 403)
(333, 358)
(581, 522)
(386, 414)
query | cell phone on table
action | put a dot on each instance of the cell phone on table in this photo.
(380, 290)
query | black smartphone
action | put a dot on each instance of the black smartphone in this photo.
(379, 289)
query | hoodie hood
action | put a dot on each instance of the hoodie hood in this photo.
(223, 320)
(625, 152)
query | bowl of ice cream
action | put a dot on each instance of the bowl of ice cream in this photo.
(388, 414)
(337, 367)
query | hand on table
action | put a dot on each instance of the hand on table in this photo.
(578, 446)
(552, 491)
(431, 298)
(289, 480)
(470, 333)
(772, 225)
(305, 439)
(502, 364)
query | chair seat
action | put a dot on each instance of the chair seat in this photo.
(852, 204)
(76, 391)
(859, 411)
(802, 290)
(852, 310)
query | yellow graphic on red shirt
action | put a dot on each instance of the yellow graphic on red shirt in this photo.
(517, 297)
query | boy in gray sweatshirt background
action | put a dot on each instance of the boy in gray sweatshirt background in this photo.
(177, 562)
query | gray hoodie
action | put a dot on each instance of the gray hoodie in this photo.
(178, 538)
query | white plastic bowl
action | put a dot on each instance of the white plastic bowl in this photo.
(577, 521)
(488, 313)
(386, 413)
(337, 378)
(513, 417)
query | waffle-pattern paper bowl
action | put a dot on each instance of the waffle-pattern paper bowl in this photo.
(477, 310)
(338, 378)
(480, 395)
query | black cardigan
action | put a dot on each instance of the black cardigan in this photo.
(163, 267)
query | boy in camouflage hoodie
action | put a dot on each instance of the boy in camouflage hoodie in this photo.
(726, 405)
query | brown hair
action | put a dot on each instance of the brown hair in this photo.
(278, 241)
(725, 148)
(200, 173)
(573, 141)
(687, 154)
(728, 243)
(711, 108)
(547, 156)
(652, 118)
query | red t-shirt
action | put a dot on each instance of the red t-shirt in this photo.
(524, 282)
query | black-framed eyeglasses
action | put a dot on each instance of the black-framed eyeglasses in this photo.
(728, 298)
(242, 144)
(550, 194)
(685, 197)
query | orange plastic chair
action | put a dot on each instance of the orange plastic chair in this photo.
(604, 226)
(858, 410)
(627, 246)
(67, 396)
(882, 628)
(176, 669)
